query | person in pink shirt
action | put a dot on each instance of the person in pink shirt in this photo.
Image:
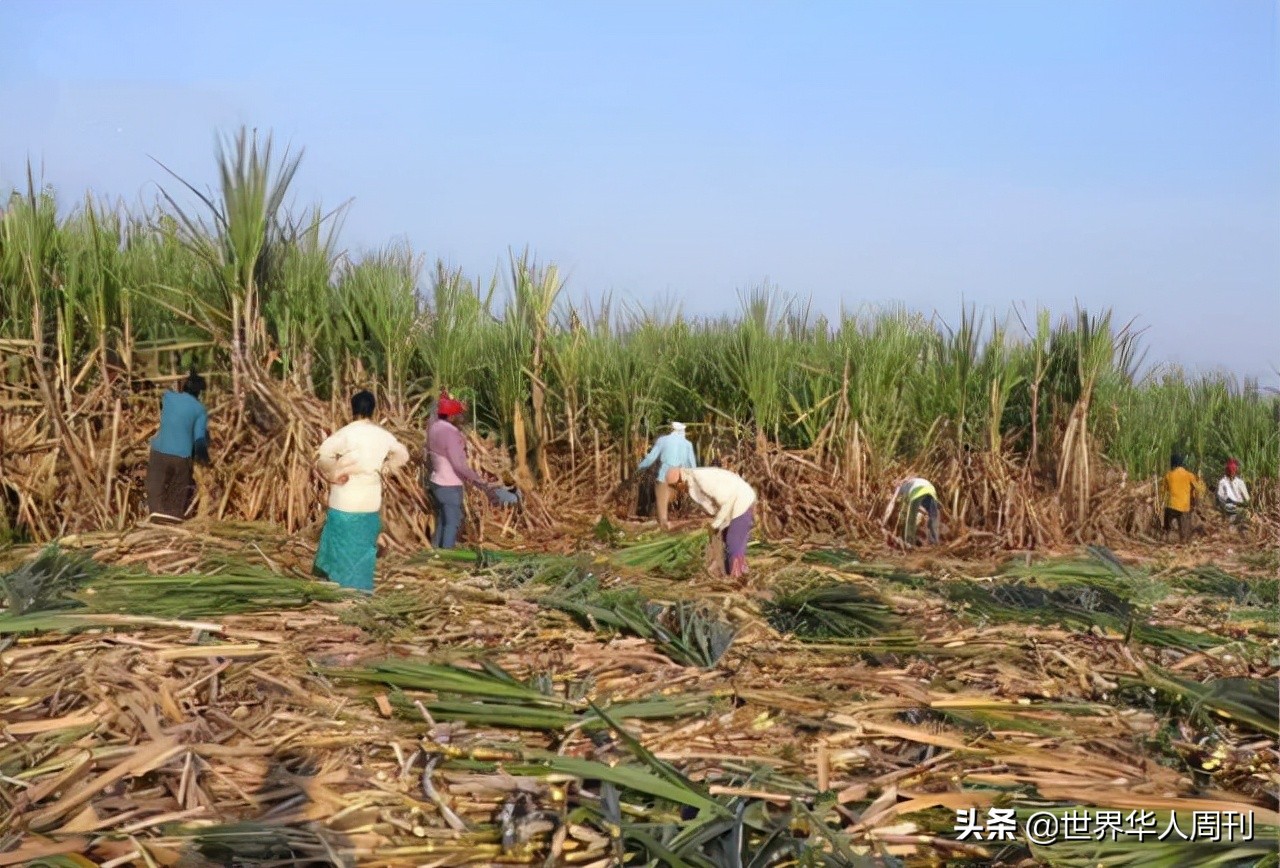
(446, 457)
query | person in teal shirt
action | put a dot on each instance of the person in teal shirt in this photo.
(183, 438)
(670, 451)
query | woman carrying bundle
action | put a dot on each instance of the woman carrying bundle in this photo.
(181, 440)
(352, 461)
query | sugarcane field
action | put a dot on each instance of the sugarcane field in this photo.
(952, 540)
(1042, 671)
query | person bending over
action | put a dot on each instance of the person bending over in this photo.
(730, 501)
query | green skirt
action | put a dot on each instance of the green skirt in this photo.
(349, 548)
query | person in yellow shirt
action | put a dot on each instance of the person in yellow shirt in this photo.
(1180, 489)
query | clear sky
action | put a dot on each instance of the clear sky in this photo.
(1122, 154)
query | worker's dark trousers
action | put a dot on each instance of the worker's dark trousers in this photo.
(930, 504)
(1181, 519)
(448, 500)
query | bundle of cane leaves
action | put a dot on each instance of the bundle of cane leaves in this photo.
(756, 835)
(846, 561)
(116, 594)
(1071, 569)
(259, 844)
(43, 583)
(389, 615)
(686, 632)
(478, 557)
(606, 531)
(491, 681)
(199, 595)
(551, 571)
(1265, 561)
(838, 558)
(1249, 703)
(699, 637)
(983, 720)
(516, 715)
(490, 696)
(1101, 570)
(1175, 637)
(1264, 622)
(673, 556)
(1085, 598)
(255, 557)
(485, 713)
(1214, 582)
(711, 833)
(493, 697)
(1080, 607)
(812, 609)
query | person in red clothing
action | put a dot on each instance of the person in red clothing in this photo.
(446, 457)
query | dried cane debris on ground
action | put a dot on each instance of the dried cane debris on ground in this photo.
(188, 697)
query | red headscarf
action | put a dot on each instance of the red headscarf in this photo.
(1233, 466)
(449, 406)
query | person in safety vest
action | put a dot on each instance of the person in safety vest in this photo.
(918, 496)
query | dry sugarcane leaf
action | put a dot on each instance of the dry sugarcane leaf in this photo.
(35, 847)
(55, 724)
(87, 820)
(142, 760)
(949, 800)
(907, 733)
(384, 705)
(212, 651)
(75, 771)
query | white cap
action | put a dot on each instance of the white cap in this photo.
(677, 426)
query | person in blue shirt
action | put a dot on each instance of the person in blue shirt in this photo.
(183, 438)
(669, 450)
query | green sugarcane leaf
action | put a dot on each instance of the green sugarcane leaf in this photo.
(631, 777)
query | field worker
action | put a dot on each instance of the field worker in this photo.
(1232, 492)
(182, 439)
(446, 457)
(730, 500)
(917, 495)
(352, 461)
(669, 450)
(1180, 486)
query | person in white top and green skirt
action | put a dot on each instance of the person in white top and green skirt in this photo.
(352, 461)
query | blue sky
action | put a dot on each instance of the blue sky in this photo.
(1122, 154)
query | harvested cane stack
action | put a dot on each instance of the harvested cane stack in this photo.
(81, 466)
(263, 453)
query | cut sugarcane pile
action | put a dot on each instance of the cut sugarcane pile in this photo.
(464, 717)
(673, 556)
(70, 591)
